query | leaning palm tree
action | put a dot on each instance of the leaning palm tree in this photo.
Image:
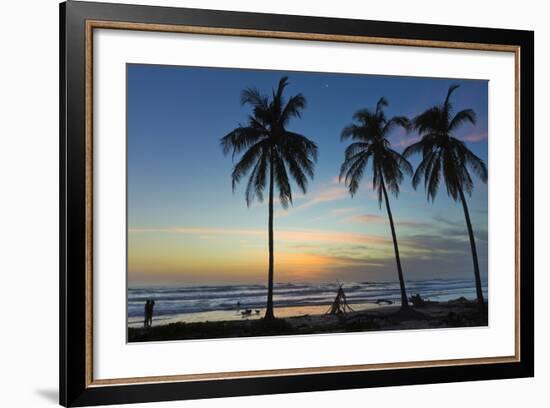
(272, 155)
(370, 135)
(443, 155)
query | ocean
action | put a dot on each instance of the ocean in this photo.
(221, 302)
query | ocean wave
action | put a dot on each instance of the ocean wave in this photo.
(189, 299)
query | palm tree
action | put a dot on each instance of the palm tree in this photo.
(272, 154)
(370, 135)
(443, 155)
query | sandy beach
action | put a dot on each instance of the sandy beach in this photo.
(311, 320)
(237, 315)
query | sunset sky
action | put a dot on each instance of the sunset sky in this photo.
(186, 226)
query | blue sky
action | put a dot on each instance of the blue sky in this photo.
(186, 225)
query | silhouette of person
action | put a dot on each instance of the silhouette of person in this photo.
(150, 315)
(146, 313)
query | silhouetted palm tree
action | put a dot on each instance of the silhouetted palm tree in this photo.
(445, 156)
(272, 154)
(370, 135)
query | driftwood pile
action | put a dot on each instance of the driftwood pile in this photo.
(340, 304)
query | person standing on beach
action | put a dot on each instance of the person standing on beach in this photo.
(150, 314)
(146, 313)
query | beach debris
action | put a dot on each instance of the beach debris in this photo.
(257, 311)
(461, 300)
(384, 301)
(247, 312)
(340, 304)
(417, 301)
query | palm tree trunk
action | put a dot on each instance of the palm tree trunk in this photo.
(269, 309)
(404, 299)
(479, 291)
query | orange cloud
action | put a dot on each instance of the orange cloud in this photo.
(406, 141)
(373, 218)
(280, 235)
(344, 210)
(475, 137)
(330, 194)
(366, 218)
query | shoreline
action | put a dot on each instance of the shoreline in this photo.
(236, 315)
(453, 313)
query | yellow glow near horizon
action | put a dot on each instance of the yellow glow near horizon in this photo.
(215, 254)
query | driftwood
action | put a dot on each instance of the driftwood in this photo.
(417, 301)
(340, 304)
(384, 301)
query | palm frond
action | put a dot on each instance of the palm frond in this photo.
(466, 115)
(350, 161)
(377, 181)
(433, 176)
(251, 191)
(293, 108)
(353, 171)
(400, 121)
(447, 106)
(265, 144)
(246, 162)
(400, 162)
(476, 164)
(354, 148)
(282, 181)
(425, 163)
(283, 82)
(414, 148)
(240, 139)
(366, 117)
(430, 121)
(354, 132)
(253, 97)
(297, 172)
(381, 104)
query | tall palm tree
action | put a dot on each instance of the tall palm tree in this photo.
(272, 154)
(443, 155)
(370, 135)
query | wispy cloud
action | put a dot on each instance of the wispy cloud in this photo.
(339, 211)
(474, 137)
(374, 218)
(281, 235)
(447, 221)
(197, 231)
(402, 138)
(406, 141)
(331, 193)
(328, 192)
(366, 218)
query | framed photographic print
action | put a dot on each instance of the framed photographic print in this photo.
(255, 204)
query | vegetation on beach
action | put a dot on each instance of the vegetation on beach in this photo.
(272, 154)
(443, 155)
(370, 134)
